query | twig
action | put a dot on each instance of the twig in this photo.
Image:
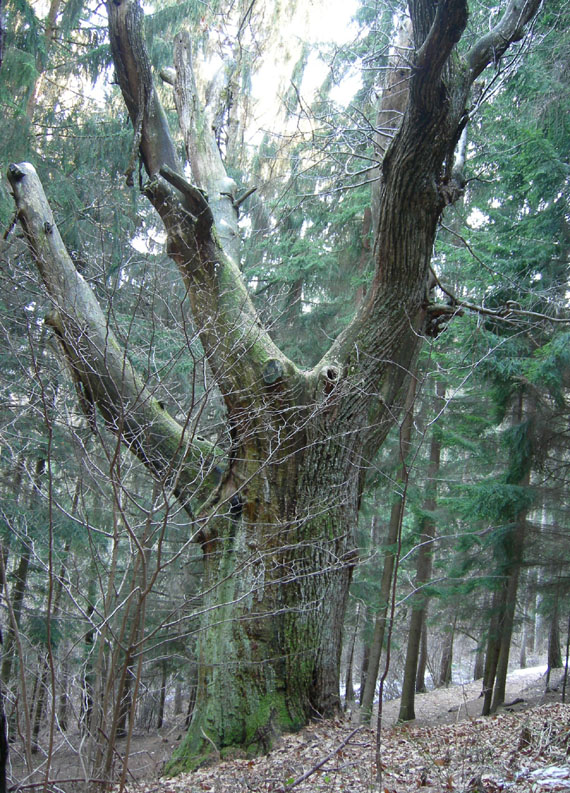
(50, 782)
(239, 201)
(316, 767)
(207, 737)
(506, 312)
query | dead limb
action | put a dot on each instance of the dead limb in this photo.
(320, 764)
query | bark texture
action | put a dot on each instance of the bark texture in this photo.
(276, 531)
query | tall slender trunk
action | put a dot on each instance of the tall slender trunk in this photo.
(479, 665)
(17, 597)
(349, 687)
(538, 627)
(162, 697)
(20, 582)
(424, 566)
(178, 697)
(423, 657)
(396, 514)
(63, 705)
(4, 749)
(446, 664)
(512, 550)
(554, 656)
(43, 676)
(366, 650)
(87, 682)
(507, 629)
(566, 662)
(42, 684)
(493, 647)
(192, 692)
(525, 627)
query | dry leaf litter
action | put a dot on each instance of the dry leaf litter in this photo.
(523, 752)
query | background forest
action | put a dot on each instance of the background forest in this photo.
(463, 531)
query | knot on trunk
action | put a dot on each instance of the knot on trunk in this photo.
(272, 371)
(438, 315)
(330, 376)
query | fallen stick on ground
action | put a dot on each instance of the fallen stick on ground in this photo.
(316, 767)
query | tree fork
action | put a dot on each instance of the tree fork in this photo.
(277, 578)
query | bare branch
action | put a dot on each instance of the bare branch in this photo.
(507, 312)
(509, 29)
(100, 367)
(133, 70)
(321, 763)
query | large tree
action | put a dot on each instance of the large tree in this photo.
(275, 502)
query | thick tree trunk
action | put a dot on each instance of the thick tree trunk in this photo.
(269, 648)
(277, 531)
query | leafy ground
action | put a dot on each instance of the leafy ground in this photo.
(524, 748)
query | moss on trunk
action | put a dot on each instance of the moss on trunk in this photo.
(276, 580)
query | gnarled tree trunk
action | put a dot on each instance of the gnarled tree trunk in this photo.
(277, 530)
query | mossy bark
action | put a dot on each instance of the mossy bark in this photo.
(277, 572)
(277, 531)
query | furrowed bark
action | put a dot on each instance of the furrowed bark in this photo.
(376, 353)
(279, 550)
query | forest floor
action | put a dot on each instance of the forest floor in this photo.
(524, 748)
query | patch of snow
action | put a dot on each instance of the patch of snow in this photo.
(530, 670)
